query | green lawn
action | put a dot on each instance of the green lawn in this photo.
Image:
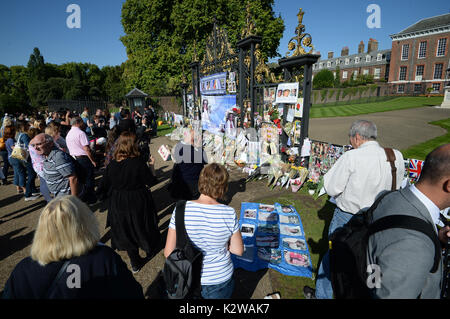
(399, 103)
(421, 150)
(164, 129)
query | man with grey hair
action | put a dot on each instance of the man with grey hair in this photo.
(354, 181)
(58, 167)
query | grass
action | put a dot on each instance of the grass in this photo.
(421, 150)
(399, 103)
(164, 129)
(315, 216)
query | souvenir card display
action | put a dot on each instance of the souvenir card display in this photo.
(273, 238)
(322, 157)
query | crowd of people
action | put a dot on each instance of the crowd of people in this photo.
(66, 150)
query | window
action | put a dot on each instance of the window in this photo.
(379, 57)
(422, 50)
(355, 74)
(334, 74)
(436, 87)
(366, 71)
(438, 71)
(347, 61)
(442, 43)
(357, 59)
(376, 73)
(419, 70)
(401, 88)
(405, 51)
(417, 88)
(402, 73)
(338, 62)
(344, 74)
(368, 58)
(320, 65)
(328, 64)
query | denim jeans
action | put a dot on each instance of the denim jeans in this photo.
(324, 290)
(44, 189)
(20, 172)
(220, 291)
(30, 186)
(6, 165)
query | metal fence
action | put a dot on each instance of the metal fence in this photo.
(76, 105)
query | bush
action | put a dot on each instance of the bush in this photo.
(323, 79)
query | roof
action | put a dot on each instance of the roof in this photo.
(427, 24)
(386, 56)
(136, 93)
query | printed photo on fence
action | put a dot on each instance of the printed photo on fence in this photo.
(215, 110)
(287, 93)
(213, 84)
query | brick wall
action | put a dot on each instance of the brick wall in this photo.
(413, 61)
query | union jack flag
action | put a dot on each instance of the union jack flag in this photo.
(415, 168)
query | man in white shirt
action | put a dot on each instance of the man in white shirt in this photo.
(354, 181)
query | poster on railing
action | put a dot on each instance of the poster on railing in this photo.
(287, 93)
(215, 109)
(214, 84)
(274, 238)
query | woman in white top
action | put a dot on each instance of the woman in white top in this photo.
(214, 229)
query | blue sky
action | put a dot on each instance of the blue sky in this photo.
(25, 24)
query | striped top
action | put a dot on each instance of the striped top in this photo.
(56, 168)
(210, 228)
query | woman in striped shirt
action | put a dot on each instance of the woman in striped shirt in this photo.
(214, 229)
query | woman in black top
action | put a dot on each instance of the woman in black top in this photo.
(67, 261)
(131, 211)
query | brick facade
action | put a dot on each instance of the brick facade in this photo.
(413, 61)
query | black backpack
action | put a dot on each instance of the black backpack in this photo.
(348, 247)
(182, 269)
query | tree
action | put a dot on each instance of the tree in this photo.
(160, 35)
(323, 79)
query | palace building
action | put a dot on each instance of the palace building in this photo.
(371, 62)
(417, 60)
(419, 57)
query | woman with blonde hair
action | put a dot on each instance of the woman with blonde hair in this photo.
(53, 129)
(132, 213)
(214, 229)
(67, 261)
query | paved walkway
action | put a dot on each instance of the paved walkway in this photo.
(18, 219)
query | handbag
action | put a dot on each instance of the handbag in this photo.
(19, 151)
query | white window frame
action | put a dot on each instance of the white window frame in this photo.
(320, 65)
(439, 46)
(400, 73)
(376, 73)
(417, 69)
(344, 74)
(366, 72)
(423, 50)
(401, 86)
(357, 59)
(338, 62)
(329, 64)
(368, 58)
(434, 73)
(347, 61)
(417, 86)
(355, 74)
(379, 57)
(403, 52)
(436, 90)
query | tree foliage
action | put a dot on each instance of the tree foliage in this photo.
(323, 79)
(160, 36)
(32, 86)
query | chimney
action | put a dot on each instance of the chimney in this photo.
(344, 51)
(361, 47)
(330, 54)
(372, 45)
